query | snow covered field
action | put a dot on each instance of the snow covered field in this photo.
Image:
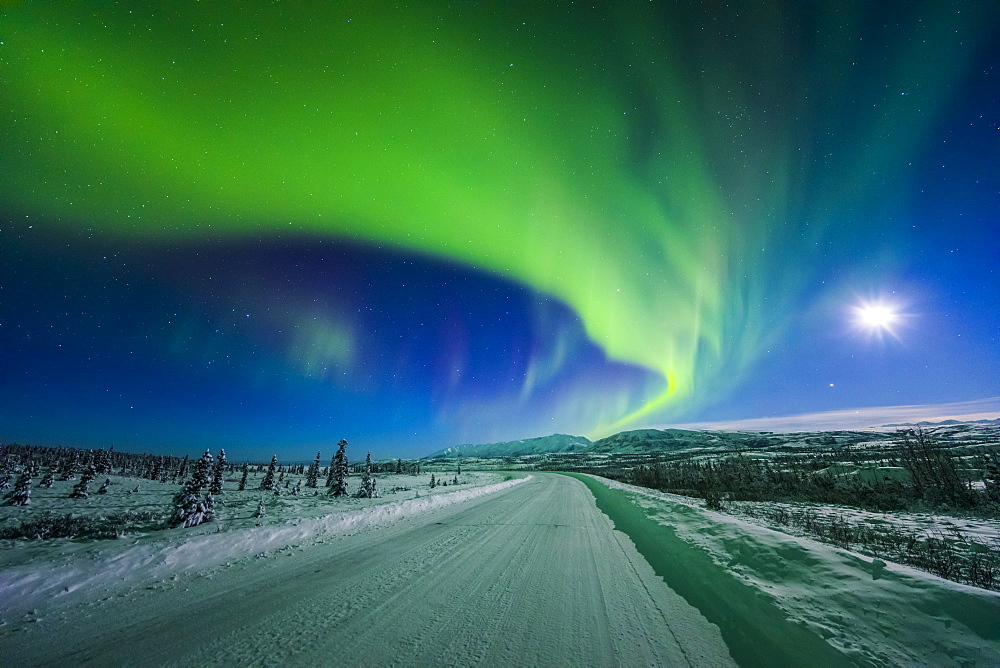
(525, 571)
(531, 574)
(928, 525)
(36, 574)
(876, 613)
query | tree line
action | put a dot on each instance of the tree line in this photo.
(201, 484)
(930, 475)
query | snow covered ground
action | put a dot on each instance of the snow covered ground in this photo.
(876, 613)
(531, 574)
(522, 571)
(983, 531)
(36, 574)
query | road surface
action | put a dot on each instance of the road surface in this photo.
(533, 575)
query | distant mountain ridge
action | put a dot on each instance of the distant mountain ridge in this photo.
(646, 441)
(942, 423)
(659, 440)
(528, 446)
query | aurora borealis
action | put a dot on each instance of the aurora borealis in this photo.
(273, 225)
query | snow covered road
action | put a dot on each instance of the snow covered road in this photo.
(532, 575)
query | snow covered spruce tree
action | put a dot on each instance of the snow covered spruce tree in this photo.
(191, 508)
(268, 483)
(181, 470)
(312, 477)
(67, 468)
(243, 480)
(48, 479)
(339, 487)
(367, 489)
(261, 511)
(102, 462)
(21, 494)
(82, 488)
(220, 468)
(331, 471)
(104, 486)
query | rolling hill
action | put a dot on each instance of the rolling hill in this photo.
(528, 446)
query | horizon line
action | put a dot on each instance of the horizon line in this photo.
(869, 417)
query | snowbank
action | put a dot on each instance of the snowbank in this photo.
(108, 566)
(876, 613)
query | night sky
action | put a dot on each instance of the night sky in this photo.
(270, 226)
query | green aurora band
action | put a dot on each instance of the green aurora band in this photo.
(654, 184)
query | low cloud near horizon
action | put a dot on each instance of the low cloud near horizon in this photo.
(859, 418)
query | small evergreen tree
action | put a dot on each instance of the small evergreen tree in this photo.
(243, 480)
(399, 466)
(67, 468)
(433, 482)
(331, 471)
(991, 471)
(21, 494)
(339, 487)
(190, 507)
(267, 483)
(82, 488)
(102, 462)
(182, 469)
(367, 489)
(312, 477)
(47, 479)
(261, 511)
(104, 486)
(220, 467)
(4, 480)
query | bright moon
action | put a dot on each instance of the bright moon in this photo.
(876, 316)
